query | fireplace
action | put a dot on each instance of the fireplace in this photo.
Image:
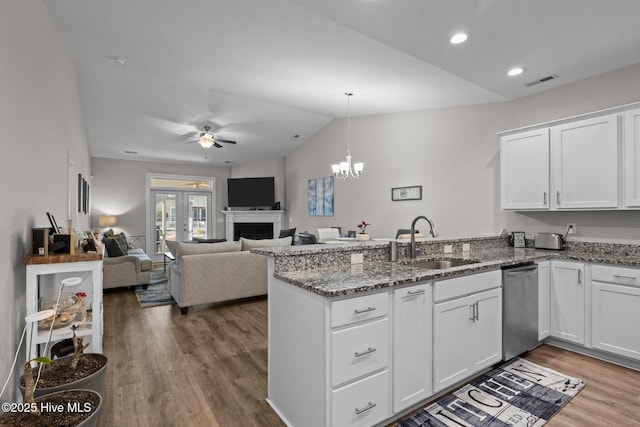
(252, 230)
(258, 219)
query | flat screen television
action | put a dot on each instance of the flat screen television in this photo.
(251, 192)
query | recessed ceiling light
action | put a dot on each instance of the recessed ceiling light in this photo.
(516, 71)
(118, 59)
(459, 38)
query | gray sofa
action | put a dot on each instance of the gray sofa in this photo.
(215, 272)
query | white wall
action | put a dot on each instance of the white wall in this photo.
(41, 122)
(454, 154)
(119, 189)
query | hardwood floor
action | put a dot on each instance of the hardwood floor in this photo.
(209, 368)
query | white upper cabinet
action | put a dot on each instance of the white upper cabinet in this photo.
(572, 164)
(632, 158)
(524, 170)
(585, 163)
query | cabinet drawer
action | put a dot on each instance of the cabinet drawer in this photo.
(465, 285)
(359, 351)
(363, 403)
(347, 311)
(620, 275)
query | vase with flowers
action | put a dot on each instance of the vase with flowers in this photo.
(363, 231)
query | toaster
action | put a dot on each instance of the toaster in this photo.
(549, 241)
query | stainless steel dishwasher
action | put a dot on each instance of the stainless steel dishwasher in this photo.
(519, 309)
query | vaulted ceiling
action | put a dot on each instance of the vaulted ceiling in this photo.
(270, 74)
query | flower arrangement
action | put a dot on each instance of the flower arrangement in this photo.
(363, 227)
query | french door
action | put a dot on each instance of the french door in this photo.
(178, 215)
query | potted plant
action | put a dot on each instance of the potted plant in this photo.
(77, 371)
(363, 231)
(68, 407)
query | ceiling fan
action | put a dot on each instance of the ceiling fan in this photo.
(206, 139)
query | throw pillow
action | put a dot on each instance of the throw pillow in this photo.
(108, 233)
(122, 240)
(289, 232)
(248, 244)
(114, 249)
(200, 240)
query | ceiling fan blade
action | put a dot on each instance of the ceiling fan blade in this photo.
(225, 140)
(217, 145)
(190, 134)
(191, 142)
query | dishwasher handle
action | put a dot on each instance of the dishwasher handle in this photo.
(522, 269)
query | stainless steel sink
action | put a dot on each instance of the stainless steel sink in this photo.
(438, 264)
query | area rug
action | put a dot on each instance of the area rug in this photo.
(519, 393)
(157, 292)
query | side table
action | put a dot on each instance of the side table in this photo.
(168, 256)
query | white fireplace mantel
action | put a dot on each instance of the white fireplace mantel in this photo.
(272, 216)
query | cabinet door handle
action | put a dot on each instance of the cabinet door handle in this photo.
(364, 310)
(473, 312)
(414, 293)
(624, 278)
(579, 277)
(477, 310)
(364, 353)
(544, 198)
(558, 197)
(366, 408)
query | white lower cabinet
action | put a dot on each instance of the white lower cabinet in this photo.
(544, 280)
(567, 301)
(411, 345)
(362, 403)
(467, 327)
(359, 351)
(359, 355)
(616, 310)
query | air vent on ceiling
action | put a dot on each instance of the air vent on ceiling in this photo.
(542, 80)
(130, 152)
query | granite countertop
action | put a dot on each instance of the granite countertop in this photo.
(346, 280)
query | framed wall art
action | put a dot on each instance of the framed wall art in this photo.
(406, 193)
(320, 196)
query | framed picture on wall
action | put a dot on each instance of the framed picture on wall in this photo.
(406, 193)
(80, 191)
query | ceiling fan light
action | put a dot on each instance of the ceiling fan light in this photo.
(206, 140)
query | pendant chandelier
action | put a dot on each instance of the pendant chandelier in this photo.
(345, 169)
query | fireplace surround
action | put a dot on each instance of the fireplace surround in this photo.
(254, 218)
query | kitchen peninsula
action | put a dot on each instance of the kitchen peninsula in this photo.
(366, 343)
